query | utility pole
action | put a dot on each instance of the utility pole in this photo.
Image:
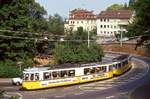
(121, 38)
(88, 39)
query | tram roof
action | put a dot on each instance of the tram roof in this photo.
(105, 60)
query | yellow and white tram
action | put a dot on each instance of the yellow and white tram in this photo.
(38, 78)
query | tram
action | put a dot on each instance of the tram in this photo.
(47, 77)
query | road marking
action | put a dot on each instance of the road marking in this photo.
(123, 93)
(60, 96)
(78, 93)
(110, 97)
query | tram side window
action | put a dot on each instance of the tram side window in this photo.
(119, 65)
(31, 77)
(71, 73)
(47, 76)
(26, 77)
(92, 70)
(110, 67)
(114, 66)
(36, 76)
(104, 69)
(56, 75)
(86, 71)
(64, 74)
(98, 69)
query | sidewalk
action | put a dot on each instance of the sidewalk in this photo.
(142, 92)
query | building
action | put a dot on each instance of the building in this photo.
(80, 18)
(110, 23)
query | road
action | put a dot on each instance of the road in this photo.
(116, 88)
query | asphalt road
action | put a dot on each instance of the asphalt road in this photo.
(116, 88)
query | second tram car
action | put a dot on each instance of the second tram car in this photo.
(46, 77)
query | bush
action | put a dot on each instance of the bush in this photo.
(10, 68)
(68, 52)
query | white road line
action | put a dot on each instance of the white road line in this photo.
(123, 93)
(109, 97)
(78, 93)
(60, 96)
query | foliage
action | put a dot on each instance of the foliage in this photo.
(56, 25)
(69, 52)
(81, 34)
(22, 15)
(75, 50)
(118, 7)
(141, 22)
(19, 15)
(131, 3)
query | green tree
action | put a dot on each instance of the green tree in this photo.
(141, 22)
(19, 15)
(117, 7)
(56, 25)
(75, 49)
(131, 3)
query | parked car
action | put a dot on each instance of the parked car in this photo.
(17, 81)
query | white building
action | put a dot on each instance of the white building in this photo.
(110, 23)
(80, 18)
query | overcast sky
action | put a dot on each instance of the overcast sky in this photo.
(62, 7)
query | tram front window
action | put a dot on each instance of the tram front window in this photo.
(31, 77)
(26, 76)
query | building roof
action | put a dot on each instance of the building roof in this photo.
(81, 14)
(116, 14)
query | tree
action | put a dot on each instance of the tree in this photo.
(117, 7)
(56, 25)
(141, 22)
(75, 49)
(19, 15)
(131, 3)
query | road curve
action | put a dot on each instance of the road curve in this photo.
(117, 88)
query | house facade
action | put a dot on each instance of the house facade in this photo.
(80, 18)
(110, 23)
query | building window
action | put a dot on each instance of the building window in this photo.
(77, 22)
(111, 26)
(107, 26)
(101, 20)
(101, 26)
(104, 26)
(107, 20)
(104, 20)
(87, 22)
(115, 27)
(82, 22)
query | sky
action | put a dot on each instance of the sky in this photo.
(62, 7)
